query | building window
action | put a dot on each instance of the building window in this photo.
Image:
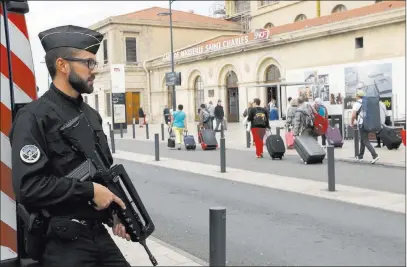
(267, 2)
(97, 103)
(131, 50)
(359, 42)
(242, 6)
(272, 74)
(268, 25)
(108, 105)
(300, 17)
(105, 57)
(339, 8)
(231, 80)
(199, 94)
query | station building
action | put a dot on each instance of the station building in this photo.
(275, 49)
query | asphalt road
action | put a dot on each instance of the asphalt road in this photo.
(266, 226)
(391, 179)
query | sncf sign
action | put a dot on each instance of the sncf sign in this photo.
(261, 34)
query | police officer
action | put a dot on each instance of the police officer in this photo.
(41, 158)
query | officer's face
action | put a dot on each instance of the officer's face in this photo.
(81, 75)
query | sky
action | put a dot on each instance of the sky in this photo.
(48, 14)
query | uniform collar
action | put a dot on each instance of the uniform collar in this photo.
(76, 101)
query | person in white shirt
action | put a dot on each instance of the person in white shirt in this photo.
(363, 135)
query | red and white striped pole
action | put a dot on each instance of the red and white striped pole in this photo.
(17, 87)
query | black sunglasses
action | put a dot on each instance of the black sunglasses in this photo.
(90, 63)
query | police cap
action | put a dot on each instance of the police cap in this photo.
(71, 36)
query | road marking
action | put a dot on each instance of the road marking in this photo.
(350, 194)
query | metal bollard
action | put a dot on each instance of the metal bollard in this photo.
(248, 139)
(356, 141)
(222, 133)
(134, 131)
(112, 141)
(157, 146)
(121, 130)
(147, 133)
(331, 168)
(162, 131)
(217, 236)
(222, 155)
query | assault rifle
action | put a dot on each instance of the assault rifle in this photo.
(80, 134)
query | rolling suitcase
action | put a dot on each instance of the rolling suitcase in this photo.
(390, 138)
(207, 139)
(334, 137)
(189, 142)
(275, 146)
(309, 149)
(289, 139)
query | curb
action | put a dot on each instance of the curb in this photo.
(349, 160)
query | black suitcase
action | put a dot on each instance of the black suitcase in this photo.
(275, 146)
(309, 149)
(390, 138)
(207, 139)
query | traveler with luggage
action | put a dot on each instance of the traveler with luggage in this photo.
(219, 116)
(323, 111)
(259, 122)
(141, 117)
(383, 122)
(205, 118)
(366, 124)
(304, 119)
(179, 125)
(289, 123)
(211, 109)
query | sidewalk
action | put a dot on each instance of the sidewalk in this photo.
(235, 137)
(165, 254)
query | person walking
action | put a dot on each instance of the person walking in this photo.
(357, 119)
(323, 111)
(303, 119)
(259, 122)
(166, 113)
(211, 109)
(219, 116)
(141, 116)
(179, 125)
(383, 122)
(205, 118)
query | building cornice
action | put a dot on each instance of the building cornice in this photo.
(354, 24)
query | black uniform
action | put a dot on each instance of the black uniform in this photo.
(41, 158)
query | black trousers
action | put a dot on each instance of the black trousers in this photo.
(77, 245)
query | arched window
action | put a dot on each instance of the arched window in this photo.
(199, 94)
(339, 8)
(231, 80)
(300, 17)
(272, 74)
(268, 25)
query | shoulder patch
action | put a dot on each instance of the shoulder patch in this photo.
(30, 154)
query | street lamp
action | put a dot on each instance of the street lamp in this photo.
(48, 76)
(172, 52)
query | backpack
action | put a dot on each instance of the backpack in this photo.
(259, 118)
(321, 111)
(307, 121)
(371, 113)
(206, 115)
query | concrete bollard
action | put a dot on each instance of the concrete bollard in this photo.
(217, 236)
(147, 132)
(331, 168)
(112, 141)
(157, 146)
(356, 141)
(162, 131)
(121, 130)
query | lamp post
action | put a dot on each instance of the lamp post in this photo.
(48, 76)
(172, 52)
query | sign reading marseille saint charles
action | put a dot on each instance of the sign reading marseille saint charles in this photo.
(222, 43)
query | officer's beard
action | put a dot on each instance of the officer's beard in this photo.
(80, 85)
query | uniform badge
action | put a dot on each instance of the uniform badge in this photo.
(30, 154)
